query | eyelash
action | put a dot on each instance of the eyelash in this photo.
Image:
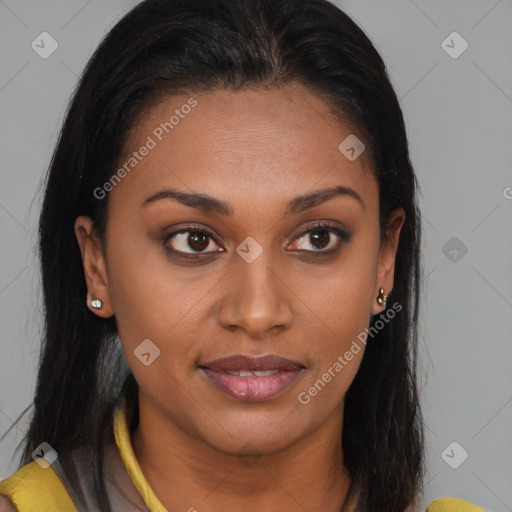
(342, 235)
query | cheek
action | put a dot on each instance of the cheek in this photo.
(344, 316)
(343, 300)
(340, 309)
(158, 302)
(146, 299)
(339, 343)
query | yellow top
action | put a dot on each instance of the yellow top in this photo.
(36, 489)
(453, 505)
(123, 441)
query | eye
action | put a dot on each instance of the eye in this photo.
(319, 239)
(195, 241)
(191, 240)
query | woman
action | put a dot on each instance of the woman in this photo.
(230, 248)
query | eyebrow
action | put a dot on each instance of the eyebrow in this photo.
(210, 204)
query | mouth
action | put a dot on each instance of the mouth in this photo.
(252, 379)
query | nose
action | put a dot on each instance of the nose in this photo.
(256, 299)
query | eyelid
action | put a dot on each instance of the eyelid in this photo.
(325, 224)
(192, 227)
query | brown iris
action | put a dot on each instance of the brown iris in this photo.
(322, 238)
(199, 240)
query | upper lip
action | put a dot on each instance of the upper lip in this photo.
(240, 362)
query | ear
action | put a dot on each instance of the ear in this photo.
(386, 266)
(93, 261)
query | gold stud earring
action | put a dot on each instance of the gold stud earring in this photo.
(96, 303)
(381, 299)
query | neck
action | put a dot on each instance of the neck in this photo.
(187, 474)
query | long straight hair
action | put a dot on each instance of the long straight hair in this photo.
(165, 47)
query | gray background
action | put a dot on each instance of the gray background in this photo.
(458, 113)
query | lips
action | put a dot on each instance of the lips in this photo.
(252, 379)
(240, 362)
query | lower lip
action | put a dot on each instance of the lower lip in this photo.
(252, 389)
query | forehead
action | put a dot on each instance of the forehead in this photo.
(279, 141)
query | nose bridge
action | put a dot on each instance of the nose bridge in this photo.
(256, 299)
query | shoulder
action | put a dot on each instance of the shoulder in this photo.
(452, 505)
(33, 487)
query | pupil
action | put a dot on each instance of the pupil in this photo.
(316, 238)
(199, 240)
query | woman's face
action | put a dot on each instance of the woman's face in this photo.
(247, 273)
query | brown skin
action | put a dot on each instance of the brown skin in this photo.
(255, 150)
(6, 505)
